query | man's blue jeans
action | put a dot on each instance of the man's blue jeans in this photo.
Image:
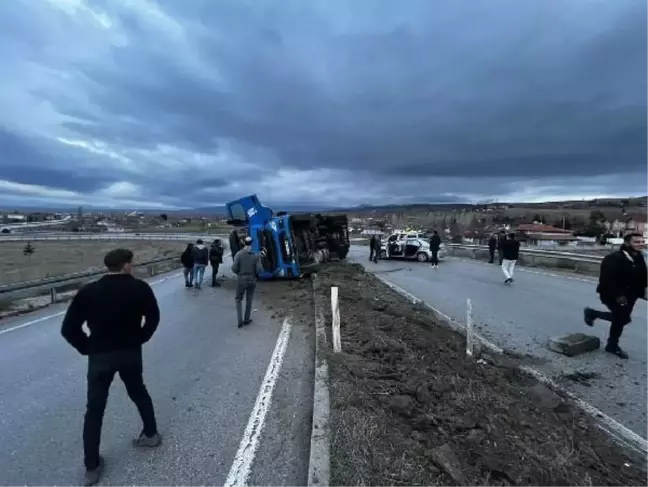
(199, 273)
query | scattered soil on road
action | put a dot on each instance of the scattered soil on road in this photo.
(409, 409)
(54, 258)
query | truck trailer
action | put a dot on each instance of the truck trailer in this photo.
(291, 246)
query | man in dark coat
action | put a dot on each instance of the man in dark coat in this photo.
(187, 261)
(435, 245)
(492, 246)
(376, 248)
(215, 259)
(372, 247)
(622, 280)
(113, 308)
(500, 246)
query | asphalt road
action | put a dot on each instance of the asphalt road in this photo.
(204, 375)
(523, 316)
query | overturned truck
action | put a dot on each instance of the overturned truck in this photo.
(291, 246)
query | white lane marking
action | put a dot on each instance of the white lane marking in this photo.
(60, 313)
(616, 429)
(242, 464)
(33, 322)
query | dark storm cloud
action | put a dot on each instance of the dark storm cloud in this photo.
(33, 161)
(529, 110)
(414, 96)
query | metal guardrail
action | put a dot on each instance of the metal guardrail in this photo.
(34, 288)
(538, 252)
(8, 288)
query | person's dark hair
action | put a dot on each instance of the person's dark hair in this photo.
(435, 232)
(511, 235)
(199, 241)
(116, 259)
(630, 236)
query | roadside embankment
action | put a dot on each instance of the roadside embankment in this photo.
(408, 407)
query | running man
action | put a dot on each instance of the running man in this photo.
(622, 280)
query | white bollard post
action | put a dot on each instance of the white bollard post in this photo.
(469, 328)
(335, 313)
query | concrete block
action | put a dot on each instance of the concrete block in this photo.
(574, 344)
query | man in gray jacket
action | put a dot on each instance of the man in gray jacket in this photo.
(246, 266)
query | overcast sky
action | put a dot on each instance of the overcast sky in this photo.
(185, 103)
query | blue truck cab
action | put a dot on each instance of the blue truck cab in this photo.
(291, 245)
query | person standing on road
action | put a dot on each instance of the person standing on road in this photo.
(113, 308)
(215, 259)
(622, 280)
(492, 246)
(247, 266)
(187, 263)
(377, 244)
(435, 245)
(201, 261)
(500, 246)
(372, 247)
(510, 254)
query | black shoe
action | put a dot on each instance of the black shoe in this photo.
(246, 322)
(188, 284)
(616, 351)
(241, 324)
(588, 316)
(92, 476)
(144, 441)
(508, 281)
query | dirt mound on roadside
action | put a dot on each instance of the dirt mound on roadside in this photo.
(408, 408)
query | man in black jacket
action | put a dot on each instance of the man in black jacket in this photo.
(372, 247)
(376, 248)
(435, 245)
(113, 308)
(492, 246)
(622, 280)
(510, 255)
(187, 261)
(201, 261)
(500, 246)
(215, 259)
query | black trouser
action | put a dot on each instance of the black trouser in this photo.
(101, 370)
(245, 285)
(500, 253)
(435, 256)
(376, 254)
(214, 273)
(491, 251)
(618, 316)
(371, 253)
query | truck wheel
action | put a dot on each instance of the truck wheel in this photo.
(383, 254)
(422, 257)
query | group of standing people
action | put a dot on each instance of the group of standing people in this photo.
(195, 260)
